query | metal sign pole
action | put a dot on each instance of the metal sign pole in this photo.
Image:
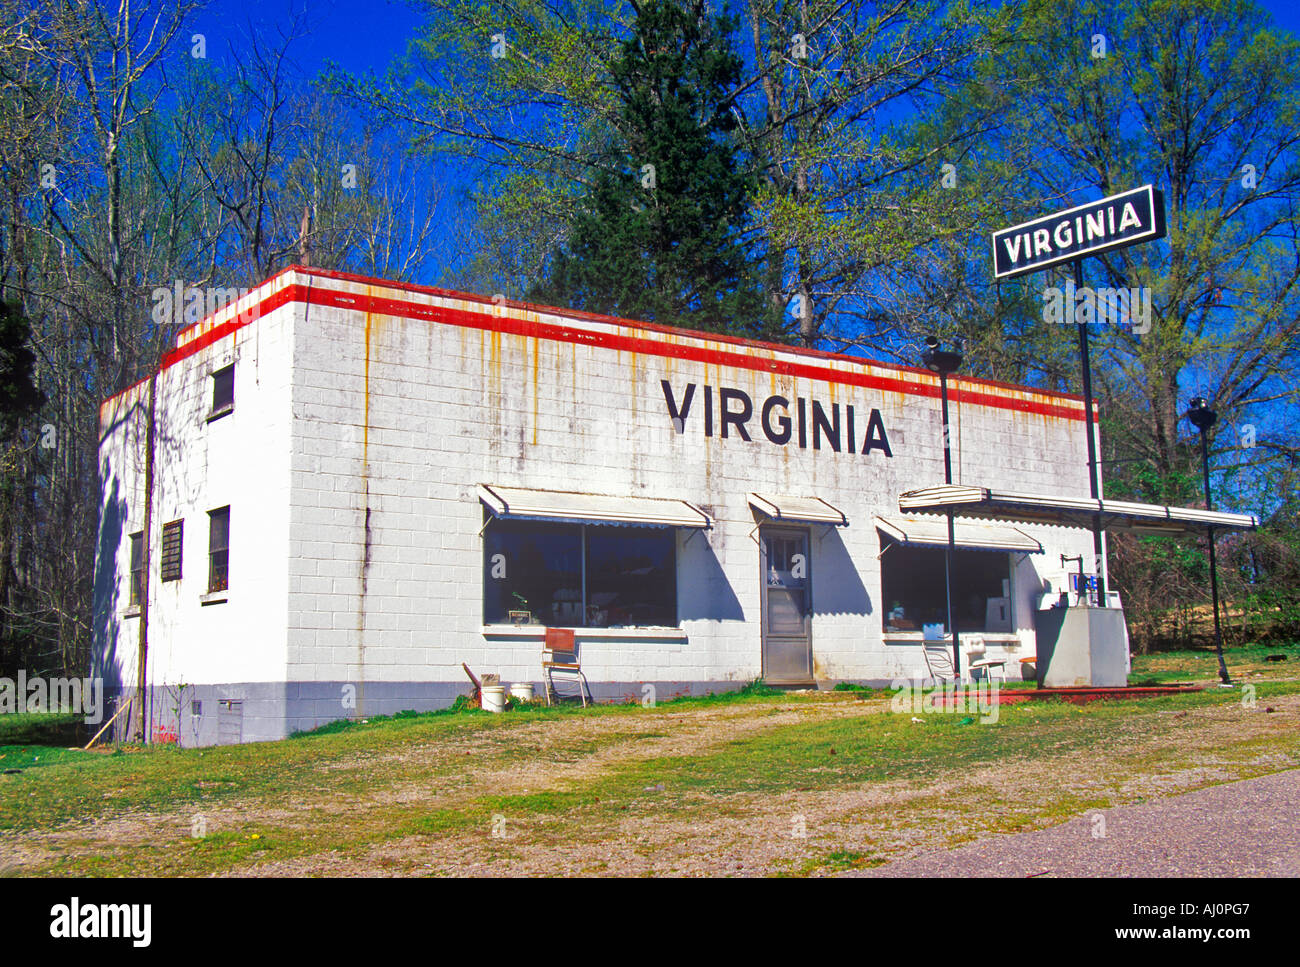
(1104, 225)
(1092, 442)
(952, 536)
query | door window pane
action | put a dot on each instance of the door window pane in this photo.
(787, 562)
(787, 585)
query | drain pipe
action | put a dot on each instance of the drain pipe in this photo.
(142, 675)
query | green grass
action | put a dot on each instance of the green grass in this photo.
(157, 778)
(1202, 664)
(39, 740)
(858, 750)
(839, 861)
(39, 756)
(538, 707)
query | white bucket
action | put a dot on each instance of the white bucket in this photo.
(522, 691)
(494, 698)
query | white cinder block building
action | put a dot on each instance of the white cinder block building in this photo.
(353, 486)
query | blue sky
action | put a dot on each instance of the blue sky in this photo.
(358, 34)
(364, 34)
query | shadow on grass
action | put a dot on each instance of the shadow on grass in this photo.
(44, 728)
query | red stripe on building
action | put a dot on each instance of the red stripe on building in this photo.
(290, 293)
(961, 390)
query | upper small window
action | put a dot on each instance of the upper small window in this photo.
(219, 549)
(223, 391)
(137, 567)
(171, 550)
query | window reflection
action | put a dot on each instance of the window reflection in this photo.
(533, 574)
(914, 594)
(631, 577)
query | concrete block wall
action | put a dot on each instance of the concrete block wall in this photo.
(400, 417)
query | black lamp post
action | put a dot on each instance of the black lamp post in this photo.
(945, 362)
(1203, 418)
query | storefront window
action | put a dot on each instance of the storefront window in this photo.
(913, 592)
(631, 577)
(533, 573)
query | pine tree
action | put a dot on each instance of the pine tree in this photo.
(659, 234)
(19, 397)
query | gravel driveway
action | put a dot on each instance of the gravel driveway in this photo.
(1245, 828)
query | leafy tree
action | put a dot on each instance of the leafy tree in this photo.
(658, 235)
(19, 399)
(515, 99)
(125, 165)
(865, 121)
(832, 112)
(1201, 98)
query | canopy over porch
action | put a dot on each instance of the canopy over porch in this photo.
(1062, 511)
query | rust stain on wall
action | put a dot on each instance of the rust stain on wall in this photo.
(634, 360)
(364, 575)
(537, 362)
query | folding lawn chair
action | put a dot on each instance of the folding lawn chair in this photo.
(560, 657)
(938, 659)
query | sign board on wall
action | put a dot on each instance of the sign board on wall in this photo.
(1089, 229)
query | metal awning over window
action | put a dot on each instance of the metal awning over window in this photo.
(1116, 515)
(971, 535)
(557, 505)
(803, 510)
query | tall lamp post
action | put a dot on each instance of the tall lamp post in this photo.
(1203, 418)
(945, 362)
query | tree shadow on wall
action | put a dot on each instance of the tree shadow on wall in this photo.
(107, 582)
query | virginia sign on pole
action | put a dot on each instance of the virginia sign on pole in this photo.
(1090, 229)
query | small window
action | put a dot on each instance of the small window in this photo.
(219, 549)
(171, 550)
(223, 391)
(196, 707)
(137, 567)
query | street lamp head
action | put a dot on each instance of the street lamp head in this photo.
(938, 360)
(1201, 415)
